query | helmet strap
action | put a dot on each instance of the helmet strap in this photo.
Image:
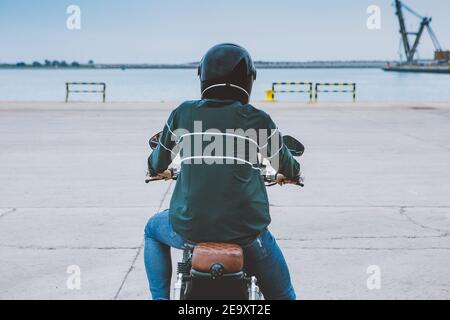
(226, 85)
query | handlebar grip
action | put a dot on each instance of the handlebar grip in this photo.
(147, 180)
(174, 174)
(271, 180)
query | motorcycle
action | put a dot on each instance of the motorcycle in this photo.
(215, 271)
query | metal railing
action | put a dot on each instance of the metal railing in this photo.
(97, 84)
(270, 94)
(327, 84)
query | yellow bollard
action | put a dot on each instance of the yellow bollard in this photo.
(269, 95)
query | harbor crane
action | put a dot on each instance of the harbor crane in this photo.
(410, 48)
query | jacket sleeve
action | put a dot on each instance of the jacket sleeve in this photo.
(162, 156)
(278, 154)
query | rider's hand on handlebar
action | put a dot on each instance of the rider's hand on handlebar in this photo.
(166, 175)
(281, 180)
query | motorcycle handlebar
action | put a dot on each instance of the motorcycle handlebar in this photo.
(269, 179)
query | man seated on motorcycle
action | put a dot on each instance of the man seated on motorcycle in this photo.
(220, 202)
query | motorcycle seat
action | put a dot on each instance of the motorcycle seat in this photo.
(207, 254)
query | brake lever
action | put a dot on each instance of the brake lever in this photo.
(300, 182)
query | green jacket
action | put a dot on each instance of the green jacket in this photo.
(217, 198)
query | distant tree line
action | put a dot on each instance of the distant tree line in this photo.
(53, 64)
(48, 64)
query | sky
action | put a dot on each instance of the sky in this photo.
(179, 31)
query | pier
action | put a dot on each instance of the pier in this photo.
(377, 184)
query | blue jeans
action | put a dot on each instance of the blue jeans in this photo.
(263, 259)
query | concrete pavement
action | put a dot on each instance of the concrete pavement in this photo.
(377, 194)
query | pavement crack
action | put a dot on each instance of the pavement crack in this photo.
(351, 206)
(5, 213)
(365, 237)
(402, 211)
(130, 269)
(50, 248)
(139, 249)
(373, 248)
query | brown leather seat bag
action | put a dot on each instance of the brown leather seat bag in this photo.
(230, 256)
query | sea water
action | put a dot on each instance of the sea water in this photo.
(183, 84)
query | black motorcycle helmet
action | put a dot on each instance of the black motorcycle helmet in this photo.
(227, 72)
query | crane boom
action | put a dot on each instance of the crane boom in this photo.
(410, 42)
(403, 32)
(425, 23)
(411, 49)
